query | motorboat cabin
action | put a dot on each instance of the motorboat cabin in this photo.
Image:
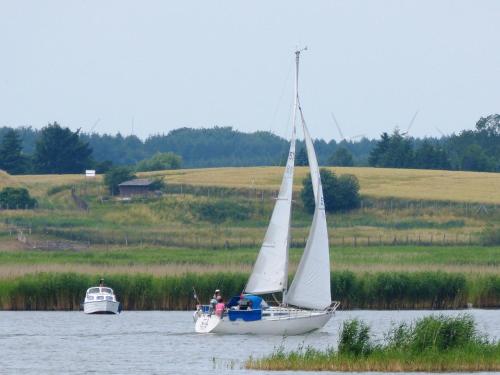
(101, 300)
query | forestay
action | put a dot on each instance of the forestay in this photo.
(311, 286)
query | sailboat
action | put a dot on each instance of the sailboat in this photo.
(306, 304)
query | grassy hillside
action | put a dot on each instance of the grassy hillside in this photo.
(414, 184)
(375, 182)
(175, 220)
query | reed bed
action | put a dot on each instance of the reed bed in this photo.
(431, 344)
(421, 290)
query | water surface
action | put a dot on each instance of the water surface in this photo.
(163, 342)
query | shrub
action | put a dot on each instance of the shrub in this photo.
(490, 236)
(355, 338)
(340, 193)
(57, 189)
(218, 211)
(16, 198)
(160, 161)
(158, 184)
(439, 333)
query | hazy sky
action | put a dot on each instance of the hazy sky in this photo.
(153, 66)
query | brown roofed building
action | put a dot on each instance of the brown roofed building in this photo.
(139, 186)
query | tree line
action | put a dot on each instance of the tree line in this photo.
(57, 149)
(470, 150)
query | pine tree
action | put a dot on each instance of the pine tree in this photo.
(301, 159)
(377, 154)
(59, 150)
(12, 159)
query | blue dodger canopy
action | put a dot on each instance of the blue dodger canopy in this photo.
(248, 308)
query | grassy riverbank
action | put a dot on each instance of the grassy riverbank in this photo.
(460, 259)
(382, 290)
(433, 344)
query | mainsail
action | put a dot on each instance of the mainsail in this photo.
(311, 285)
(270, 272)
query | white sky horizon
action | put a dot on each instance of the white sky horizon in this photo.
(151, 67)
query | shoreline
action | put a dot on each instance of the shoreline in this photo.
(429, 344)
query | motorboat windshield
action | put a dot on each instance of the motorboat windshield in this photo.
(102, 290)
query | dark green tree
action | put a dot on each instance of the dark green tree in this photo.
(16, 198)
(429, 156)
(377, 154)
(103, 166)
(12, 159)
(341, 158)
(301, 159)
(115, 176)
(339, 193)
(475, 159)
(393, 151)
(59, 150)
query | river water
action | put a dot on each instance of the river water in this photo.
(163, 342)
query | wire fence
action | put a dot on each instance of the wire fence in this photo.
(54, 238)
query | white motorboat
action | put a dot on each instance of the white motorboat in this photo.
(101, 300)
(306, 305)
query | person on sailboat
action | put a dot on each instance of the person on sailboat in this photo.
(220, 307)
(213, 301)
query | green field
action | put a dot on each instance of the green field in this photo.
(167, 261)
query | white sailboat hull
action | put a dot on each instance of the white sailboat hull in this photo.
(101, 307)
(296, 323)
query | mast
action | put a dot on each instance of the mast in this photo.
(270, 271)
(294, 117)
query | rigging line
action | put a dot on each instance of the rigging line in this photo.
(276, 109)
(286, 144)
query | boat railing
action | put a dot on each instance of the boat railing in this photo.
(333, 306)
